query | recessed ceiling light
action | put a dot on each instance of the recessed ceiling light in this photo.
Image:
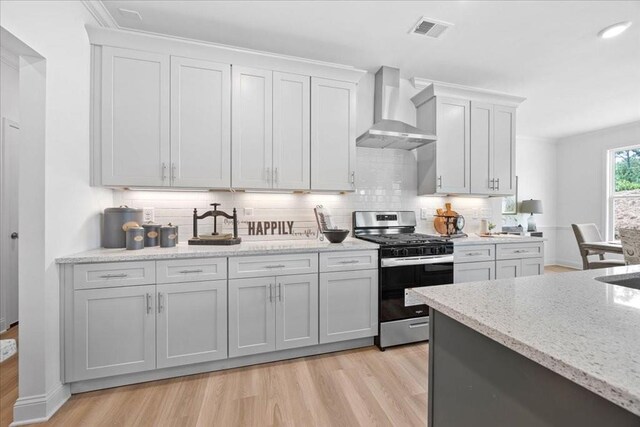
(614, 30)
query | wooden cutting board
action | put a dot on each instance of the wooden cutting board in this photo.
(440, 223)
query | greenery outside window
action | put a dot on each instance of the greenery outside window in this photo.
(623, 209)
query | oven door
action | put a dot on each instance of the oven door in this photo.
(399, 274)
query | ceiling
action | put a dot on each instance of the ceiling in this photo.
(546, 51)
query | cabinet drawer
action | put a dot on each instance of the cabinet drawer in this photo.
(113, 274)
(475, 253)
(348, 261)
(272, 265)
(519, 250)
(191, 270)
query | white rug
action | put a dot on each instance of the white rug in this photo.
(7, 349)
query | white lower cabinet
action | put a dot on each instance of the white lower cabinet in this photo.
(474, 271)
(191, 322)
(510, 268)
(532, 267)
(114, 331)
(348, 305)
(272, 313)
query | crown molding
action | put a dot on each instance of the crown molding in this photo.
(431, 88)
(100, 13)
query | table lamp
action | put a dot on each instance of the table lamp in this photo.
(532, 206)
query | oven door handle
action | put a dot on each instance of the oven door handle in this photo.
(399, 262)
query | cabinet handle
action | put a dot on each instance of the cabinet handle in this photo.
(353, 179)
(173, 171)
(148, 303)
(190, 271)
(419, 325)
(164, 171)
(112, 276)
(497, 184)
(521, 251)
(268, 175)
(280, 296)
(440, 181)
(275, 175)
(275, 266)
(351, 261)
(160, 307)
(491, 184)
(473, 253)
(270, 293)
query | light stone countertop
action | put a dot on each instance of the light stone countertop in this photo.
(582, 329)
(475, 239)
(183, 250)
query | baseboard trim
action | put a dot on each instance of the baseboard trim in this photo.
(41, 407)
(236, 362)
(570, 264)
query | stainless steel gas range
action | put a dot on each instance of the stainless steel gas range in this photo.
(407, 260)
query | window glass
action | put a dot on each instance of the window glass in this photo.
(625, 203)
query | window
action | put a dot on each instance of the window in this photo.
(623, 189)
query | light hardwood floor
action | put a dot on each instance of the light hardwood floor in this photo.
(357, 387)
(557, 269)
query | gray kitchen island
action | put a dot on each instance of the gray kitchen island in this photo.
(553, 350)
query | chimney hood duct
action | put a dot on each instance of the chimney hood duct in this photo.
(387, 132)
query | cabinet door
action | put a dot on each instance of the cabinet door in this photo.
(481, 148)
(504, 149)
(453, 145)
(252, 316)
(291, 132)
(251, 124)
(348, 305)
(296, 311)
(200, 123)
(474, 271)
(333, 135)
(192, 322)
(114, 331)
(532, 266)
(508, 269)
(135, 118)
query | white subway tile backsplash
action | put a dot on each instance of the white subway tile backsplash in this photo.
(385, 180)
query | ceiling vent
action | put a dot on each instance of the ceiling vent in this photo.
(429, 27)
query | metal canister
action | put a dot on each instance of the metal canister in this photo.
(115, 223)
(135, 238)
(168, 236)
(151, 234)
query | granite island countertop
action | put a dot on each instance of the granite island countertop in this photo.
(475, 239)
(582, 329)
(183, 250)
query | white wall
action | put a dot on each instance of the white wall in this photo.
(70, 207)
(582, 182)
(9, 85)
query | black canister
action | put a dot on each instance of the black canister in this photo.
(151, 234)
(168, 236)
(135, 238)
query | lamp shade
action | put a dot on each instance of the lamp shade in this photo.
(531, 206)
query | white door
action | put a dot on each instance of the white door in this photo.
(333, 135)
(9, 223)
(192, 322)
(481, 148)
(200, 123)
(251, 125)
(504, 149)
(508, 269)
(135, 118)
(474, 271)
(252, 316)
(348, 305)
(453, 145)
(296, 311)
(291, 132)
(532, 266)
(114, 331)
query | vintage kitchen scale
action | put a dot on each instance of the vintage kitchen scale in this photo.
(215, 238)
(448, 222)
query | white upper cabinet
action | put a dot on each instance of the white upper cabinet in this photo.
(475, 148)
(252, 115)
(291, 132)
(200, 123)
(333, 135)
(134, 118)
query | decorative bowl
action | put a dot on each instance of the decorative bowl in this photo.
(336, 236)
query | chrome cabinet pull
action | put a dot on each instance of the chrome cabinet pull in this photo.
(492, 184)
(190, 271)
(280, 296)
(173, 171)
(270, 293)
(160, 307)
(275, 266)
(268, 175)
(419, 325)
(351, 261)
(473, 253)
(497, 184)
(164, 171)
(112, 276)
(440, 181)
(275, 175)
(148, 303)
(353, 179)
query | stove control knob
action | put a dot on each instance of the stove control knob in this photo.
(396, 252)
(405, 252)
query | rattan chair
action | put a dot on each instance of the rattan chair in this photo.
(589, 233)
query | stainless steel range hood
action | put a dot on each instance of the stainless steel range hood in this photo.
(387, 132)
